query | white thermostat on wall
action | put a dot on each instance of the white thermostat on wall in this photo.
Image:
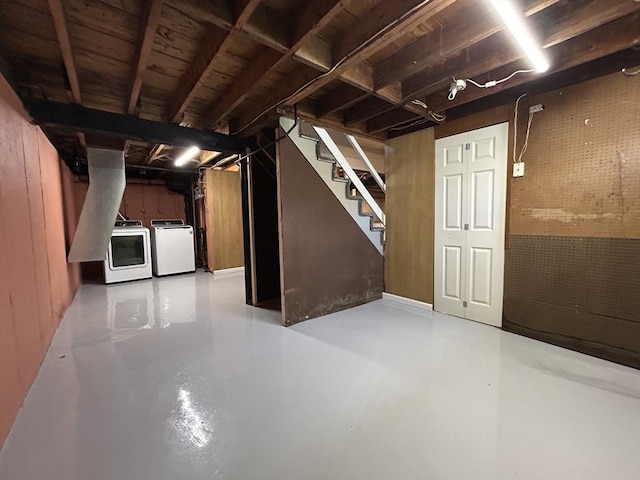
(518, 169)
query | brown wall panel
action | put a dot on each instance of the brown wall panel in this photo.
(473, 122)
(36, 283)
(582, 172)
(579, 292)
(144, 201)
(223, 219)
(327, 263)
(409, 163)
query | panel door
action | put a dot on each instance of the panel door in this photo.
(486, 193)
(469, 224)
(450, 238)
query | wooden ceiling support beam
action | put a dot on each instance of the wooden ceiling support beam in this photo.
(478, 23)
(600, 42)
(126, 127)
(365, 110)
(64, 42)
(493, 52)
(580, 73)
(340, 97)
(149, 24)
(216, 42)
(382, 25)
(577, 18)
(314, 15)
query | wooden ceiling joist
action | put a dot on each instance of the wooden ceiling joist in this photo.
(62, 33)
(151, 19)
(493, 52)
(430, 49)
(612, 37)
(576, 18)
(381, 26)
(340, 97)
(215, 44)
(314, 15)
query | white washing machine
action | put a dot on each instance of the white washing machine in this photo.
(173, 248)
(129, 253)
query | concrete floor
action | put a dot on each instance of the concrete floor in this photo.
(177, 379)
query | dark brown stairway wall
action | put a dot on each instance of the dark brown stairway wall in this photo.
(572, 265)
(327, 263)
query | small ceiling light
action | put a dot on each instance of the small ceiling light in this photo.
(521, 34)
(456, 86)
(187, 155)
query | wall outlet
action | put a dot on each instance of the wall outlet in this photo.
(518, 169)
(536, 108)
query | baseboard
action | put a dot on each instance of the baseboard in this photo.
(229, 272)
(404, 303)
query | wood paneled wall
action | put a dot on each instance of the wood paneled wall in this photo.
(145, 200)
(37, 221)
(409, 203)
(223, 214)
(327, 262)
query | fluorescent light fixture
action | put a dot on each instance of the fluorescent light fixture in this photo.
(521, 34)
(187, 155)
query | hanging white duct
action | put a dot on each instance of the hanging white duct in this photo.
(106, 187)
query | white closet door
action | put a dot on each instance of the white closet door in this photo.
(469, 244)
(450, 239)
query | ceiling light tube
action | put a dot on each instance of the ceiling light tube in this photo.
(187, 155)
(521, 34)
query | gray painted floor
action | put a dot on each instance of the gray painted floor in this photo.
(177, 379)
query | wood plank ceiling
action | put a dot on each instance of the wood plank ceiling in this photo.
(231, 66)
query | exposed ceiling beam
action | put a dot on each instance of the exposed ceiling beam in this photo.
(215, 44)
(340, 97)
(312, 17)
(126, 127)
(149, 24)
(474, 23)
(382, 25)
(64, 42)
(492, 52)
(153, 154)
(553, 27)
(581, 73)
(600, 42)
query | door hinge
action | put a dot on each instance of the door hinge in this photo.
(464, 304)
(467, 146)
(466, 226)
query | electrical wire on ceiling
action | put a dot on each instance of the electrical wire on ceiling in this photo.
(412, 124)
(437, 117)
(258, 150)
(338, 64)
(630, 74)
(460, 84)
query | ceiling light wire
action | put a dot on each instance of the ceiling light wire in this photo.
(340, 62)
(515, 126)
(493, 83)
(438, 117)
(630, 74)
